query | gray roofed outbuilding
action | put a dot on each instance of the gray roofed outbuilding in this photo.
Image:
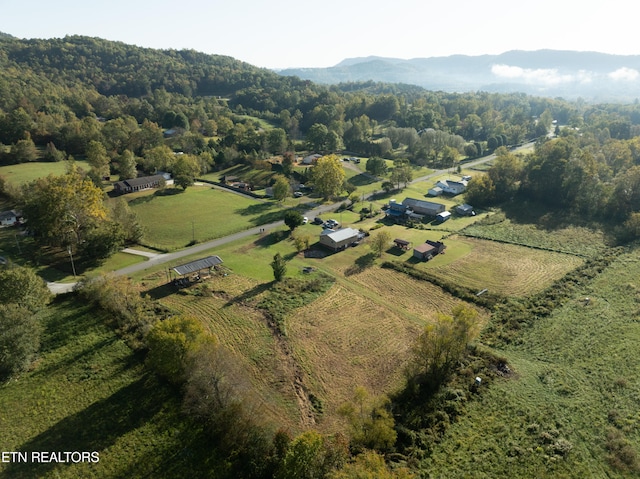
(198, 265)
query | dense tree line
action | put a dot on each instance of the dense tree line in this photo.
(585, 173)
(62, 94)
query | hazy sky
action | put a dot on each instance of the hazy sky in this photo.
(288, 33)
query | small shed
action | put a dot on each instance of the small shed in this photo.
(435, 191)
(438, 245)
(10, 218)
(402, 244)
(442, 217)
(311, 159)
(465, 210)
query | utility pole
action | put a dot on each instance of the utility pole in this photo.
(18, 244)
(73, 267)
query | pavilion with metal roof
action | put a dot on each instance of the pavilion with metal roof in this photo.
(198, 265)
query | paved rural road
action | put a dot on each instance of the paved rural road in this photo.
(156, 259)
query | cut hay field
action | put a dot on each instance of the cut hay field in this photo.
(576, 240)
(411, 298)
(357, 334)
(173, 218)
(226, 308)
(571, 408)
(505, 269)
(344, 340)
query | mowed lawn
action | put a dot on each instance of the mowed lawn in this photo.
(505, 269)
(27, 172)
(172, 218)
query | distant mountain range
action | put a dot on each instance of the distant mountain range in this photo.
(553, 73)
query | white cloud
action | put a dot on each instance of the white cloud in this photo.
(624, 74)
(544, 76)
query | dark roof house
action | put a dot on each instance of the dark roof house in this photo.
(426, 251)
(138, 184)
(465, 210)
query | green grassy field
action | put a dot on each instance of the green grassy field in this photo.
(570, 408)
(88, 392)
(173, 218)
(26, 172)
(579, 240)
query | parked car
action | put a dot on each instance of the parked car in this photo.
(305, 220)
(317, 220)
(298, 194)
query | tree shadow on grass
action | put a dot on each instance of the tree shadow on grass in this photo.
(396, 251)
(249, 294)
(161, 291)
(271, 239)
(362, 179)
(526, 212)
(363, 262)
(256, 209)
(97, 427)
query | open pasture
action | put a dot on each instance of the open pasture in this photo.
(578, 240)
(26, 172)
(173, 218)
(88, 391)
(505, 269)
(573, 397)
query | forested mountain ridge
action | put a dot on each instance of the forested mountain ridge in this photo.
(115, 68)
(570, 74)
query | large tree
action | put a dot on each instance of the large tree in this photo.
(62, 209)
(127, 165)
(328, 176)
(293, 219)
(379, 242)
(442, 344)
(170, 341)
(98, 159)
(185, 170)
(23, 287)
(279, 265)
(22, 295)
(281, 188)
(377, 166)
